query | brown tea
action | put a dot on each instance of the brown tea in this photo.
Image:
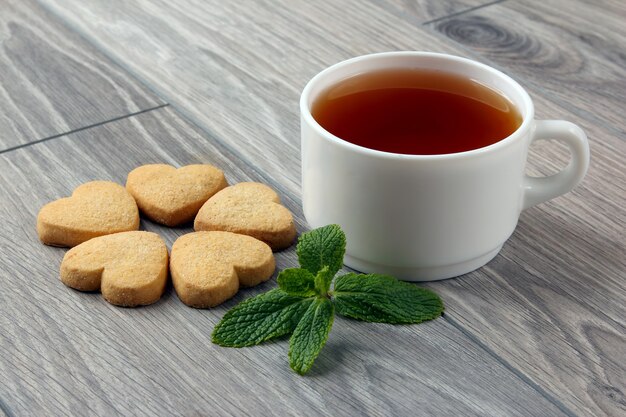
(415, 111)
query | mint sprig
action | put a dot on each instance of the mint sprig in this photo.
(304, 304)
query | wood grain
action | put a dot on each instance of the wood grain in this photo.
(63, 352)
(238, 70)
(573, 50)
(52, 81)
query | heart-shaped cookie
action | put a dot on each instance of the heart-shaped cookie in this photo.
(173, 196)
(129, 268)
(251, 209)
(95, 208)
(208, 267)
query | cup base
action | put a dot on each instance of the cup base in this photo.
(417, 274)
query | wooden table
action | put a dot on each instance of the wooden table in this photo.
(90, 89)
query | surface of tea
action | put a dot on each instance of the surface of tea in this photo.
(415, 111)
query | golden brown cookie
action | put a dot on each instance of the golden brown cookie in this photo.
(251, 209)
(208, 267)
(95, 208)
(129, 268)
(173, 196)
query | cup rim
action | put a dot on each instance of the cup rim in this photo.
(527, 103)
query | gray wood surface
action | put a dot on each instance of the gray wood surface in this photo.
(424, 11)
(552, 305)
(64, 352)
(52, 81)
(572, 50)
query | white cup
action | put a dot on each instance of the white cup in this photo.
(428, 217)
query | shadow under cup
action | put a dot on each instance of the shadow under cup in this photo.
(418, 217)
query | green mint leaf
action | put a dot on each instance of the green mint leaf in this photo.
(322, 280)
(321, 247)
(297, 281)
(310, 335)
(257, 319)
(384, 299)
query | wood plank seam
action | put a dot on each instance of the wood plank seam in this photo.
(277, 185)
(115, 119)
(460, 12)
(187, 116)
(53, 82)
(521, 375)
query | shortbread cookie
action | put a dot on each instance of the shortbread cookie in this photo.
(251, 209)
(173, 196)
(208, 267)
(95, 208)
(129, 268)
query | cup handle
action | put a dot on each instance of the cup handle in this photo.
(538, 190)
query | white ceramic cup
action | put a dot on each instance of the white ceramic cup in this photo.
(428, 217)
